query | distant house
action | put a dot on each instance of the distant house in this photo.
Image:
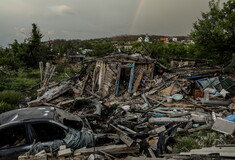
(73, 56)
(126, 47)
(164, 39)
(140, 39)
(174, 39)
(187, 41)
(147, 39)
(84, 51)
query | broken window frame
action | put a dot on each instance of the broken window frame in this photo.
(131, 80)
(35, 134)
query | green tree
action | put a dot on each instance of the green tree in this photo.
(34, 43)
(101, 49)
(213, 34)
(32, 50)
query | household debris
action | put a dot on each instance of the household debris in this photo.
(138, 106)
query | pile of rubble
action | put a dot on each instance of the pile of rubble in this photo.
(138, 106)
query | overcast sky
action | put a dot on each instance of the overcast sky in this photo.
(85, 19)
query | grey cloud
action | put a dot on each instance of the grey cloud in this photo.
(85, 19)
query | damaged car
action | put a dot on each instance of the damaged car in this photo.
(37, 128)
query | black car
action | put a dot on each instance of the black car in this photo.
(19, 128)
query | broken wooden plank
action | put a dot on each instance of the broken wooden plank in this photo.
(127, 129)
(151, 153)
(172, 89)
(41, 71)
(148, 158)
(109, 155)
(164, 120)
(137, 81)
(49, 95)
(146, 101)
(93, 94)
(44, 157)
(157, 130)
(123, 136)
(205, 126)
(62, 147)
(111, 149)
(197, 105)
(65, 102)
(178, 114)
(222, 151)
(84, 84)
(65, 152)
(126, 139)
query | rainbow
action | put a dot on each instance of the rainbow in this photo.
(138, 9)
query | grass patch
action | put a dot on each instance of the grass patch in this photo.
(19, 80)
(185, 144)
(202, 138)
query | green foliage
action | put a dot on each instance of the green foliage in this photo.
(19, 80)
(10, 97)
(71, 71)
(86, 45)
(214, 33)
(90, 68)
(28, 53)
(164, 51)
(60, 67)
(4, 107)
(100, 49)
(185, 144)
(114, 106)
(137, 48)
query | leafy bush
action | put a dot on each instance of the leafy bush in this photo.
(61, 66)
(71, 71)
(33, 73)
(4, 107)
(10, 97)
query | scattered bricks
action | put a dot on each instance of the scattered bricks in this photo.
(64, 152)
(62, 147)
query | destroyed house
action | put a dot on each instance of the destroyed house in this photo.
(73, 56)
(121, 73)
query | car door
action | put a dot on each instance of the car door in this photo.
(14, 141)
